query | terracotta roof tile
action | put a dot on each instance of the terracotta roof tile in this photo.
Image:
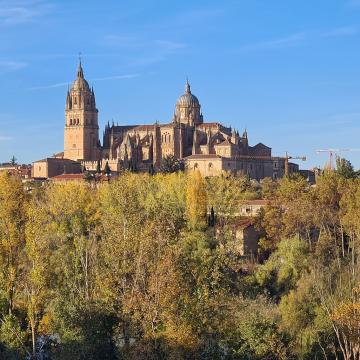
(203, 156)
(64, 177)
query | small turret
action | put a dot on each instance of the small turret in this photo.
(68, 101)
(235, 137)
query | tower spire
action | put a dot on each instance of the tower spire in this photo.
(187, 87)
(80, 72)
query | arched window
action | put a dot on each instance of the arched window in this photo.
(70, 121)
(75, 100)
(196, 166)
(169, 138)
(77, 122)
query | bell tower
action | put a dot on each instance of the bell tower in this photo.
(81, 134)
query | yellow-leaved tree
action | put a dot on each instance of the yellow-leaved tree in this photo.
(37, 264)
(346, 324)
(12, 226)
(196, 201)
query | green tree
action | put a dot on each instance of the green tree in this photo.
(284, 268)
(13, 160)
(170, 164)
(107, 169)
(345, 169)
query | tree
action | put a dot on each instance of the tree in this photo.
(344, 168)
(196, 201)
(13, 160)
(98, 167)
(12, 235)
(304, 319)
(37, 273)
(346, 321)
(170, 164)
(107, 169)
(284, 268)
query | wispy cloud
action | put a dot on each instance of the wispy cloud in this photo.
(144, 51)
(50, 86)
(5, 138)
(14, 12)
(341, 31)
(120, 40)
(116, 77)
(12, 65)
(197, 15)
(63, 84)
(169, 45)
(300, 38)
(344, 118)
(286, 41)
(354, 3)
(140, 42)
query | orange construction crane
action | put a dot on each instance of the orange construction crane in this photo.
(331, 153)
(287, 157)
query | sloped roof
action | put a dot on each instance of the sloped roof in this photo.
(256, 202)
(56, 159)
(226, 142)
(203, 156)
(65, 177)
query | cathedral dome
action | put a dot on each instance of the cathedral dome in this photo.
(80, 83)
(187, 109)
(188, 99)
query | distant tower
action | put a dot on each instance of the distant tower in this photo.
(188, 109)
(81, 135)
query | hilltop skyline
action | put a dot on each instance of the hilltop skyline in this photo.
(288, 73)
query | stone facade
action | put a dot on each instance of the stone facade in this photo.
(209, 147)
(49, 167)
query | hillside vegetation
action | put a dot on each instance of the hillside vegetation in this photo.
(131, 270)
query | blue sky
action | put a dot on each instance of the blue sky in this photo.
(288, 71)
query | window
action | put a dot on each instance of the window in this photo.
(74, 146)
(196, 166)
(75, 100)
(210, 166)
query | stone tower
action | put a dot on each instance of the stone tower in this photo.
(81, 135)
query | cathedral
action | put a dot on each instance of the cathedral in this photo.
(209, 147)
